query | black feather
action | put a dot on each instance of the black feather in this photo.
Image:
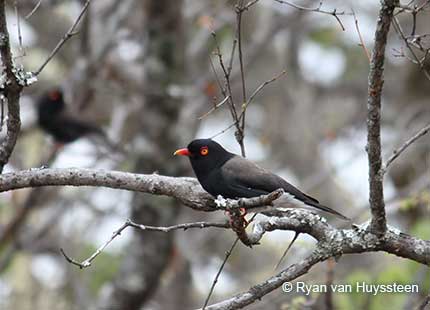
(53, 119)
(223, 173)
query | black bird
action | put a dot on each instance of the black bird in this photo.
(223, 173)
(54, 119)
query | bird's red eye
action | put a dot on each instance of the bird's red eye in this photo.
(54, 95)
(204, 151)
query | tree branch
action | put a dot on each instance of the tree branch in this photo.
(331, 243)
(376, 81)
(187, 190)
(317, 9)
(402, 148)
(87, 263)
(11, 90)
(257, 292)
(70, 33)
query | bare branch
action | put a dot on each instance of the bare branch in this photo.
(87, 263)
(259, 89)
(332, 243)
(179, 188)
(256, 292)
(186, 190)
(240, 134)
(328, 298)
(423, 305)
(18, 24)
(397, 152)
(255, 93)
(362, 44)
(318, 9)
(33, 10)
(12, 90)
(71, 32)
(376, 81)
(249, 4)
(221, 268)
(215, 107)
(227, 92)
(415, 59)
(296, 235)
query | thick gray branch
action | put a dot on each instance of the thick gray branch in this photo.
(331, 243)
(186, 190)
(258, 291)
(11, 92)
(376, 81)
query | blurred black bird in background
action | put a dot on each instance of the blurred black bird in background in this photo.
(231, 176)
(54, 119)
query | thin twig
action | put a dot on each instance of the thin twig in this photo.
(18, 25)
(2, 100)
(397, 152)
(87, 262)
(329, 283)
(255, 93)
(71, 32)
(227, 255)
(214, 108)
(362, 44)
(260, 88)
(412, 9)
(226, 91)
(33, 10)
(241, 133)
(402, 35)
(226, 71)
(249, 4)
(223, 131)
(318, 9)
(214, 282)
(230, 63)
(286, 250)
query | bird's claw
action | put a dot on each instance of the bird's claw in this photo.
(237, 216)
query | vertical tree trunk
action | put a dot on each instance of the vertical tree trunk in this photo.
(149, 252)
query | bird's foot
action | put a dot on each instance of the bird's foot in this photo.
(237, 217)
(242, 212)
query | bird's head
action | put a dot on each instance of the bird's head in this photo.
(52, 101)
(205, 155)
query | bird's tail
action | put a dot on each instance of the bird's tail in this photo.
(290, 201)
(331, 211)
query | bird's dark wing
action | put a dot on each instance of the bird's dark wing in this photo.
(250, 180)
(245, 173)
(67, 129)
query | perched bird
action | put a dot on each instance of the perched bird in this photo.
(53, 119)
(231, 176)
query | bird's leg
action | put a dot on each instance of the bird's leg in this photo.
(58, 146)
(236, 216)
(242, 212)
(238, 224)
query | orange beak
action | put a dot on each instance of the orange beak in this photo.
(183, 152)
